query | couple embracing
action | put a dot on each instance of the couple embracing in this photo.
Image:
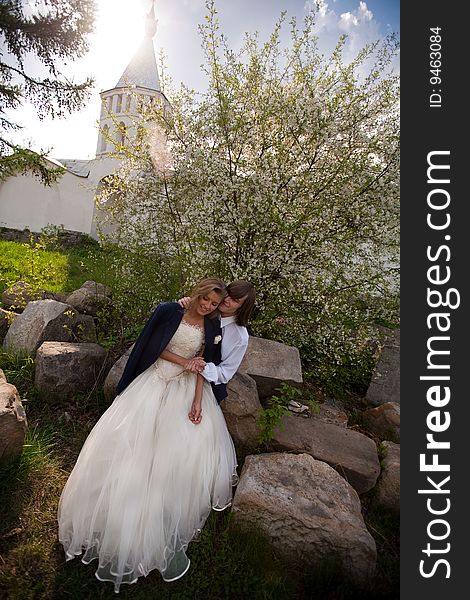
(161, 457)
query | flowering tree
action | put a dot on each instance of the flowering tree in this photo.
(284, 172)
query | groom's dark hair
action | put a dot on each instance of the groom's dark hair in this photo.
(239, 289)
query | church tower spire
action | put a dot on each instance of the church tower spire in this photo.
(139, 79)
(142, 70)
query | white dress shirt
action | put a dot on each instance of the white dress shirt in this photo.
(234, 343)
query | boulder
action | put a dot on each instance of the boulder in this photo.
(6, 319)
(13, 422)
(270, 364)
(352, 454)
(46, 320)
(385, 383)
(83, 328)
(241, 409)
(331, 414)
(388, 487)
(18, 295)
(114, 375)
(65, 369)
(307, 510)
(384, 421)
(21, 293)
(90, 298)
(59, 296)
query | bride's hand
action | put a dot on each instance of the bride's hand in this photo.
(195, 365)
(195, 414)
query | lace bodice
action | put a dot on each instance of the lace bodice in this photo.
(187, 341)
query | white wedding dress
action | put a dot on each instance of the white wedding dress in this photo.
(147, 477)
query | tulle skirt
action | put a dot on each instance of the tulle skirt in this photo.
(146, 480)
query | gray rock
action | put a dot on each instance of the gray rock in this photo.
(114, 375)
(351, 453)
(241, 409)
(97, 288)
(385, 383)
(308, 511)
(270, 364)
(45, 320)
(59, 296)
(388, 487)
(65, 369)
(90, 297)
(13, 422)
(21, 293)
(6, 319)
(331, 414)
(384, 420)
(83, 328)
(18, 295)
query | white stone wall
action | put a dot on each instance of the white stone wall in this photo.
(26, 203)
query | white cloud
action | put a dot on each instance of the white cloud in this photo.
(359, 25)
(326, 19)
(349, 20)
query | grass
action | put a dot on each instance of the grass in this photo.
(29, 521)
(51, 269)
(227, 562)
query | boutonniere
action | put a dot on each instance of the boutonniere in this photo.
(217, 339)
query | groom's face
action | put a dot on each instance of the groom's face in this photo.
(229, 305)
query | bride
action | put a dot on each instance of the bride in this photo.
(159, 458)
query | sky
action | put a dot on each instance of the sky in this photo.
(119, 29)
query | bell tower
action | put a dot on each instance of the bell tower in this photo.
(139, 83)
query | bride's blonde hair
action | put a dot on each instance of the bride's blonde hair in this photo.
(206, 286)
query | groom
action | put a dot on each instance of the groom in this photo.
(235, 311)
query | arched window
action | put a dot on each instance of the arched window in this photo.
(128, 103)
(121, 137)
(104, 138)
(119, 103)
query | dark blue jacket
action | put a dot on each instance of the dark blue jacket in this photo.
(154, 338)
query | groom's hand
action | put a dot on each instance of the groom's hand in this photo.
(184, 302)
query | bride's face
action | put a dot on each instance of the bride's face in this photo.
(207, 303)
